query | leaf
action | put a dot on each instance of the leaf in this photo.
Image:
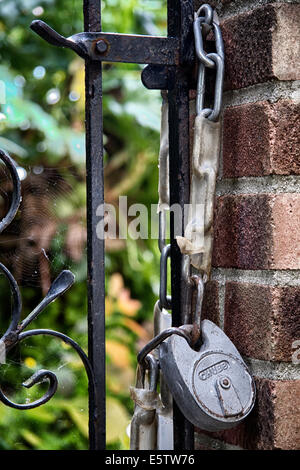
(116, 284)
(119, 380)
(77, 85)
(12, 147)
(144, 116)
(77, 411)
(118, 353)
(109, 307)
(136, 328)
(31, 438)
(117, 420)
(127, 305)
(41, 415)
(79, 418)
(76, 146)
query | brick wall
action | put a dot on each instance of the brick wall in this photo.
(254, 293)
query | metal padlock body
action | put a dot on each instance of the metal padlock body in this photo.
(212, 387)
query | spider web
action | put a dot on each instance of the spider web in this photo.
(47, 233)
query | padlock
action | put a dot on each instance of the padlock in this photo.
(212, 386)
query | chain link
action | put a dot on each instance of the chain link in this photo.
(215, 60)
(162, 230)
(164, 299)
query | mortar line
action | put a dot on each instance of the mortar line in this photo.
(282, 278)
(271, 184)
(243, 6)
(272, 91)
(215, 444)
(273, 370)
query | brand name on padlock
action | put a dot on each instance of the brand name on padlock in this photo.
(213, 370)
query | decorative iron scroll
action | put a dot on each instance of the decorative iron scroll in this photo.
(15, 332)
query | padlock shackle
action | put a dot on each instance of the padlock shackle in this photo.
(183, 331)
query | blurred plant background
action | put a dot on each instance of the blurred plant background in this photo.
(42, 127)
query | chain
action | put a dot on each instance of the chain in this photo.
(214, 60)
(204, 23)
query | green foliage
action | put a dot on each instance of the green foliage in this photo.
(42, 126)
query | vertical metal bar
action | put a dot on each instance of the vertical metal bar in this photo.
(95, 246)
(180, 20)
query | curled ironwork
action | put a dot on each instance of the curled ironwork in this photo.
(15, 332)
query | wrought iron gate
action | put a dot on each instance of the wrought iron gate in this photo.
(170, 62)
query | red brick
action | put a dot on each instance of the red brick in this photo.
(213, 3)
(286, 231)
(257, 231)
(261, 45)
(261, 139)
(274, 422)
(210, 307)
(242, 234)
(287, 415)
(263, 321)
